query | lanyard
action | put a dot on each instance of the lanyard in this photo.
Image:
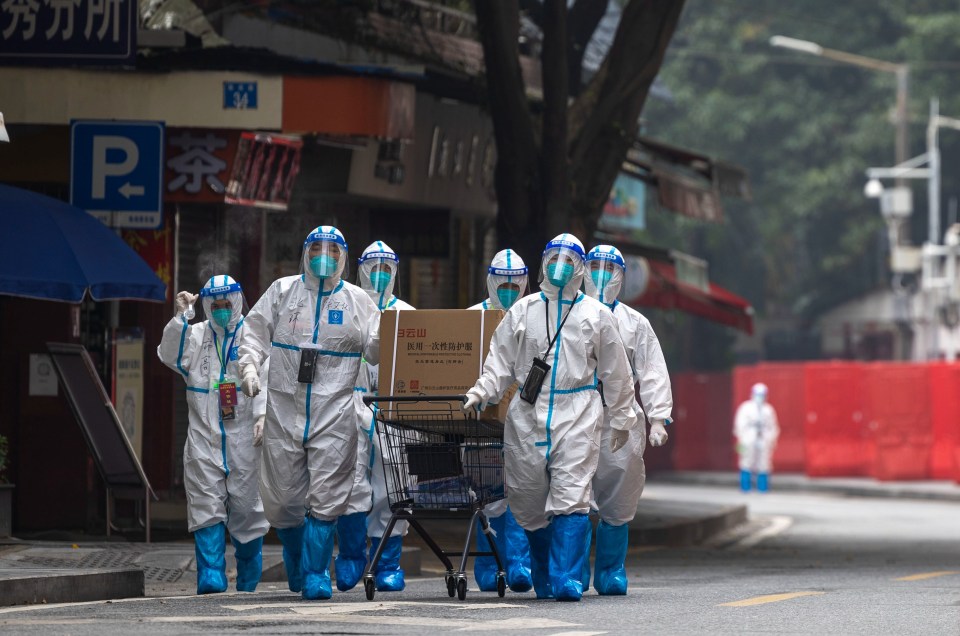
(562, 323)
(222, 357)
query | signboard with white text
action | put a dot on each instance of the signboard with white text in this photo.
(68, 32)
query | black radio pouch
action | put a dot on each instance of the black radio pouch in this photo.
(534, 382)
(539, 369)
(308, 365)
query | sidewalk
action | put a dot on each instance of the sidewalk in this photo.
(64, 571)
(846, 486)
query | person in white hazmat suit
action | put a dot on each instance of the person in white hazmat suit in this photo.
(621, 475)
(558, 344)
(378, 268)
(756, 429)
(220, 462)
(506, 283)
(315, 327)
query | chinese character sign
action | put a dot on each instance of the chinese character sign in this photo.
(68, 32)
(198, 164)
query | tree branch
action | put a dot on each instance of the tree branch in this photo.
(604, 119)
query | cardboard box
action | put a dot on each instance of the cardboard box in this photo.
(436, 352)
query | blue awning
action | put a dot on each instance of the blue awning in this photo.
(54, 251)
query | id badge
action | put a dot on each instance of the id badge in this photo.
(228, 399)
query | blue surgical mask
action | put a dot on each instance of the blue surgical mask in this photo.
(507, 296)
(380, 280)
(323, 266)
(222, 316)
(600, 278)
(562, 276)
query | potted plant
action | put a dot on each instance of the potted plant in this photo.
(6, 491)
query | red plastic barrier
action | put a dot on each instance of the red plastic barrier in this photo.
(702, 428)
(785, 383)
(897, 405)
(945, 419)
(834, 427)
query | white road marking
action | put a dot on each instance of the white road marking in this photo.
(777, 525)
(425, 621)
(365, 606)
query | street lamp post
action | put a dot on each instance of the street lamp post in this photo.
(901, 71)
(938, 262)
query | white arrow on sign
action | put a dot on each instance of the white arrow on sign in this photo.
(128, 190)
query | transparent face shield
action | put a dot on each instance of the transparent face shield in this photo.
(325, 260)
(560, 266)
(604, 280)
(223, 302)
(378, 277)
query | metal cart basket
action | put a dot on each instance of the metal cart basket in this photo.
(436, 463)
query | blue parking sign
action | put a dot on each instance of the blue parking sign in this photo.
(116, 171)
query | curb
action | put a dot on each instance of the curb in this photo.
(677, 525)
(30, 586)
(850, 487)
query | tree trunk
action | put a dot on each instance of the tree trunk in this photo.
(517, 174)
(553, 154)
(562, 183)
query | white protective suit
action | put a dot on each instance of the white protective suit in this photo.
(507, 278)
(310, 433)
(370, 485)
(552, 446)
(220, 463)
(621, 475)
(506, 267)
(756, 429)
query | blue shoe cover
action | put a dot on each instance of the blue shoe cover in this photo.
(566, 555)
(485, 568)
(745, 479)
(315, 559)
(211, 543)
(585, 574)
(517, 551)
(249, 563)
(389, 575)
(610, 577)
(763, 484)
(292, 540)
(351, 558)
(540, 561)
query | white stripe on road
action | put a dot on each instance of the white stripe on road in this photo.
(440, 623)
(777, 525)
(306, 607)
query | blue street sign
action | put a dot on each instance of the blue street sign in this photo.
(68, 32)
(240, 95)
(116, 171)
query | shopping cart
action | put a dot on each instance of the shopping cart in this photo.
(438, 463)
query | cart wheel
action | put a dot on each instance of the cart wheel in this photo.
(462, 589)
(501, 586)
(370, 588)
(451, 586)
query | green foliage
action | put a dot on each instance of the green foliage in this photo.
(806, 129)
(4, 455)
